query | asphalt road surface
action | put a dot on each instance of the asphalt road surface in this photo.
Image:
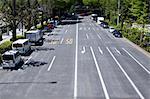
(80, 61)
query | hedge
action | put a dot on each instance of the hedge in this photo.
(19, 37)
(5, 47)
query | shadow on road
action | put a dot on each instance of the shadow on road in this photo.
(43, 49)
(11, 83)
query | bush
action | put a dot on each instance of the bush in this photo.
(18, 37)
(39, 27)
(5, 46)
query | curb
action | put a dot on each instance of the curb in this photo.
(137, 47)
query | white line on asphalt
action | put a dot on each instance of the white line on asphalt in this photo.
(76, 64)
(100, 75)
(136, 61)
(118, 51)
(87, 36)
(129, 79)
(61, 40)
(66, 31)
(99, 36)
(80, 28)
(100, 50)
(83, 50)
(50, 66)
(28, 60)
(94, 29)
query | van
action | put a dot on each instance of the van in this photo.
(11, 59)
(34, 36)
(21, 45)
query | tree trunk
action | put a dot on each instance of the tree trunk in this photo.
(14, 20)
(14, 30)
(0, 35)
(141, 35)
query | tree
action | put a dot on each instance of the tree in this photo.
(139, 11)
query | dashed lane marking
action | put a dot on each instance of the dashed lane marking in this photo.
(50, 66)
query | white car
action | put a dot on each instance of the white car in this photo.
(111, 29)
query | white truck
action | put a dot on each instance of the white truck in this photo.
(11, 59)
(34, 36)
(22, 45)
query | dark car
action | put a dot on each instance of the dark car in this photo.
(117, 33)
(104, 25)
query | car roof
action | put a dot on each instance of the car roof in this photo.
(33, 31)
(20, 41)
(10, 52)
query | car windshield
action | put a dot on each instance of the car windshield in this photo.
(17, 45)
(7, 57)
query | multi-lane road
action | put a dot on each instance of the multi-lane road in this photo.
(80, 61)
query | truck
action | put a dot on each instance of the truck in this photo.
(21, 45)
(34, 36)
(11, 59)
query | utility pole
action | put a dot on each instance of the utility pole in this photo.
(14, 19)
(118, 18)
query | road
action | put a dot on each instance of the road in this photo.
(80, 61)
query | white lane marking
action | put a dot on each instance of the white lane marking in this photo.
(83, 50)
(136, 61)
(28, 60)
(94, 29)
(100, 75)
(100, 50)
(66, 31)
(61, 40)
(50, 66)
(111, 37)
(76, 63)
(129, 79)
(118, 51)
(87, 36)
(99, 36)
(80, 28)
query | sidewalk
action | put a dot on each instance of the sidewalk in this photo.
(7, 37)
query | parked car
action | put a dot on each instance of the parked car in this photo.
(34, 36)
(117, 33)
(22, 46)
(111, 29)
(11, 59)
(104, 25)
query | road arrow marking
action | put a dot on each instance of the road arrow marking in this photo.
(83, 50)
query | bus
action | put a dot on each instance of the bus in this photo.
(22, 45)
